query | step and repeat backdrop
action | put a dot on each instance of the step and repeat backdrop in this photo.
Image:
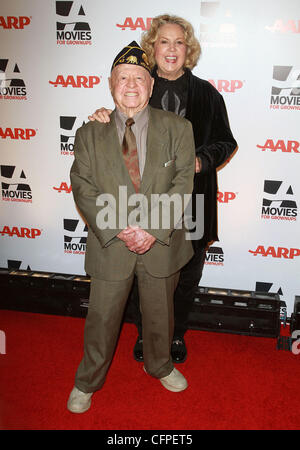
(55, 59)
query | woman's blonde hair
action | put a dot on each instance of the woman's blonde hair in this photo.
(149, 38)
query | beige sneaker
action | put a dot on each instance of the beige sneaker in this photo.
(174, 382)
(79, 402)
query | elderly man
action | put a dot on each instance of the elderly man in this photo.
(144, 153)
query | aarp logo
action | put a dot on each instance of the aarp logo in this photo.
(280, 145)
(14, 22)
(135, 23)
(285, 26)
(227, 85)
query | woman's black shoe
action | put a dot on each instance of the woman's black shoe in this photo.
(178, 351)
(138, 350)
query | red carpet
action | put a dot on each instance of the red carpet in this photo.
(235, 382)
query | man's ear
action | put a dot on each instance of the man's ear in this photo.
(152, 84)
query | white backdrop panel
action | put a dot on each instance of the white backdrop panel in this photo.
(250, 50)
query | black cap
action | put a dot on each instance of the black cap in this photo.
(132, 54)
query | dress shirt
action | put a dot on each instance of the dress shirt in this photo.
(139, 128)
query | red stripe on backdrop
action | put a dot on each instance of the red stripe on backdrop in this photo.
(235, 382)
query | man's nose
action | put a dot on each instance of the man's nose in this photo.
(131, 82)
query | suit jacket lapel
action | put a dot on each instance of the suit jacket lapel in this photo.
(112, 151)
(155, 144)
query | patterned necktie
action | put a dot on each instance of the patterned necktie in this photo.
(129, 149)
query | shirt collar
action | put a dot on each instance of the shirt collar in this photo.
(139, 118)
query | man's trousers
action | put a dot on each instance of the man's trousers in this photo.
(106, 308)
(190, 276)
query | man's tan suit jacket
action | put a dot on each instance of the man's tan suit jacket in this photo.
(99, 168)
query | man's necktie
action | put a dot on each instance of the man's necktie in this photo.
(130, 155)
